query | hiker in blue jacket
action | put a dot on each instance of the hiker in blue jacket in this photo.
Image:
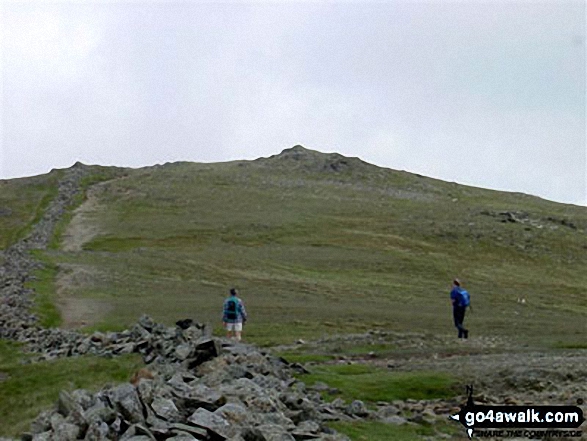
(460, 301)
(234, 315)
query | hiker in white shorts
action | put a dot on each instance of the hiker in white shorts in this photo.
(234, 315)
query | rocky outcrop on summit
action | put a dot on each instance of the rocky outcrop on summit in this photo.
(299, 157)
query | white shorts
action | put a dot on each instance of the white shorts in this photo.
(236, 327)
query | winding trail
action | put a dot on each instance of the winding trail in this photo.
(81, 229)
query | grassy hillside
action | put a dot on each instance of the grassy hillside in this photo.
(322, 243)
(22, 202)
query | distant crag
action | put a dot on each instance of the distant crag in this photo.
(299, 157)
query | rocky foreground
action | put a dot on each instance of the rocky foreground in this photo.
(195, 388)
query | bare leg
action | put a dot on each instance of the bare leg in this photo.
(238, 335)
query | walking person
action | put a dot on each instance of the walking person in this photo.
(234, 315)
(460, 301)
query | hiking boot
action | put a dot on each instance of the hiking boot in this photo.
(466, 334)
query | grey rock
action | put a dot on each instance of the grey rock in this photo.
(126, 401)
(202, 396)
(387, 411)
(83, 398)
(277, 419)
(183, 352)
(195, 431)
(146, 391)
(207, 345)
(394, 419)
(125, 348)
(66, 432)
(183, 436)
(99, 413)
(142, 430)
(97, 431)
(234, 413)
(165, 409)
(178, 384)
(56, 420)
(42, 423)
(137, 438)
(212, 422)
(357, 408)
(67, 404)
(250, 434)
(273, 432)
(308, 427)
(146, 322)
(320, 386)
(338, 403)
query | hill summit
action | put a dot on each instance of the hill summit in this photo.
(299, 157)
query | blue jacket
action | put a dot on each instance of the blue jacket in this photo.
(456, 297)
(241, 311)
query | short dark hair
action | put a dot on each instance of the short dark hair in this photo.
(233, 291)
(457, 282)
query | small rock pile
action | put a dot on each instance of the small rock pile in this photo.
(203, 389)
(154, 341)
(522, 217)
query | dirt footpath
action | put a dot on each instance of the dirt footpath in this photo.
(82, 227)
(77, 311)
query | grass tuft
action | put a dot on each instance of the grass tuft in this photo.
(373, 430)
(28, 389)
(371, 384)
(45, 292)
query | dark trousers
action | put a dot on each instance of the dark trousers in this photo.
(458, 313)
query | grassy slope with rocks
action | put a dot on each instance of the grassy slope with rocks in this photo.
(25, 390)
(324, 244)
(22, 202)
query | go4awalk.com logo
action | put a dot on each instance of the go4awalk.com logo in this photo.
(519, 421)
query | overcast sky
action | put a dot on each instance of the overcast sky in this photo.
(488, 93)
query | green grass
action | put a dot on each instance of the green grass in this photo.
(315, 252)
(570, 345)
(45, 292)
(23, 202)
(372, 384)
(326, 352)
(364, 349)
(376, 431)
(294, 357)
(31, 388)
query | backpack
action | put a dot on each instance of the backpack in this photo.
(232, 309)
(465, 299)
